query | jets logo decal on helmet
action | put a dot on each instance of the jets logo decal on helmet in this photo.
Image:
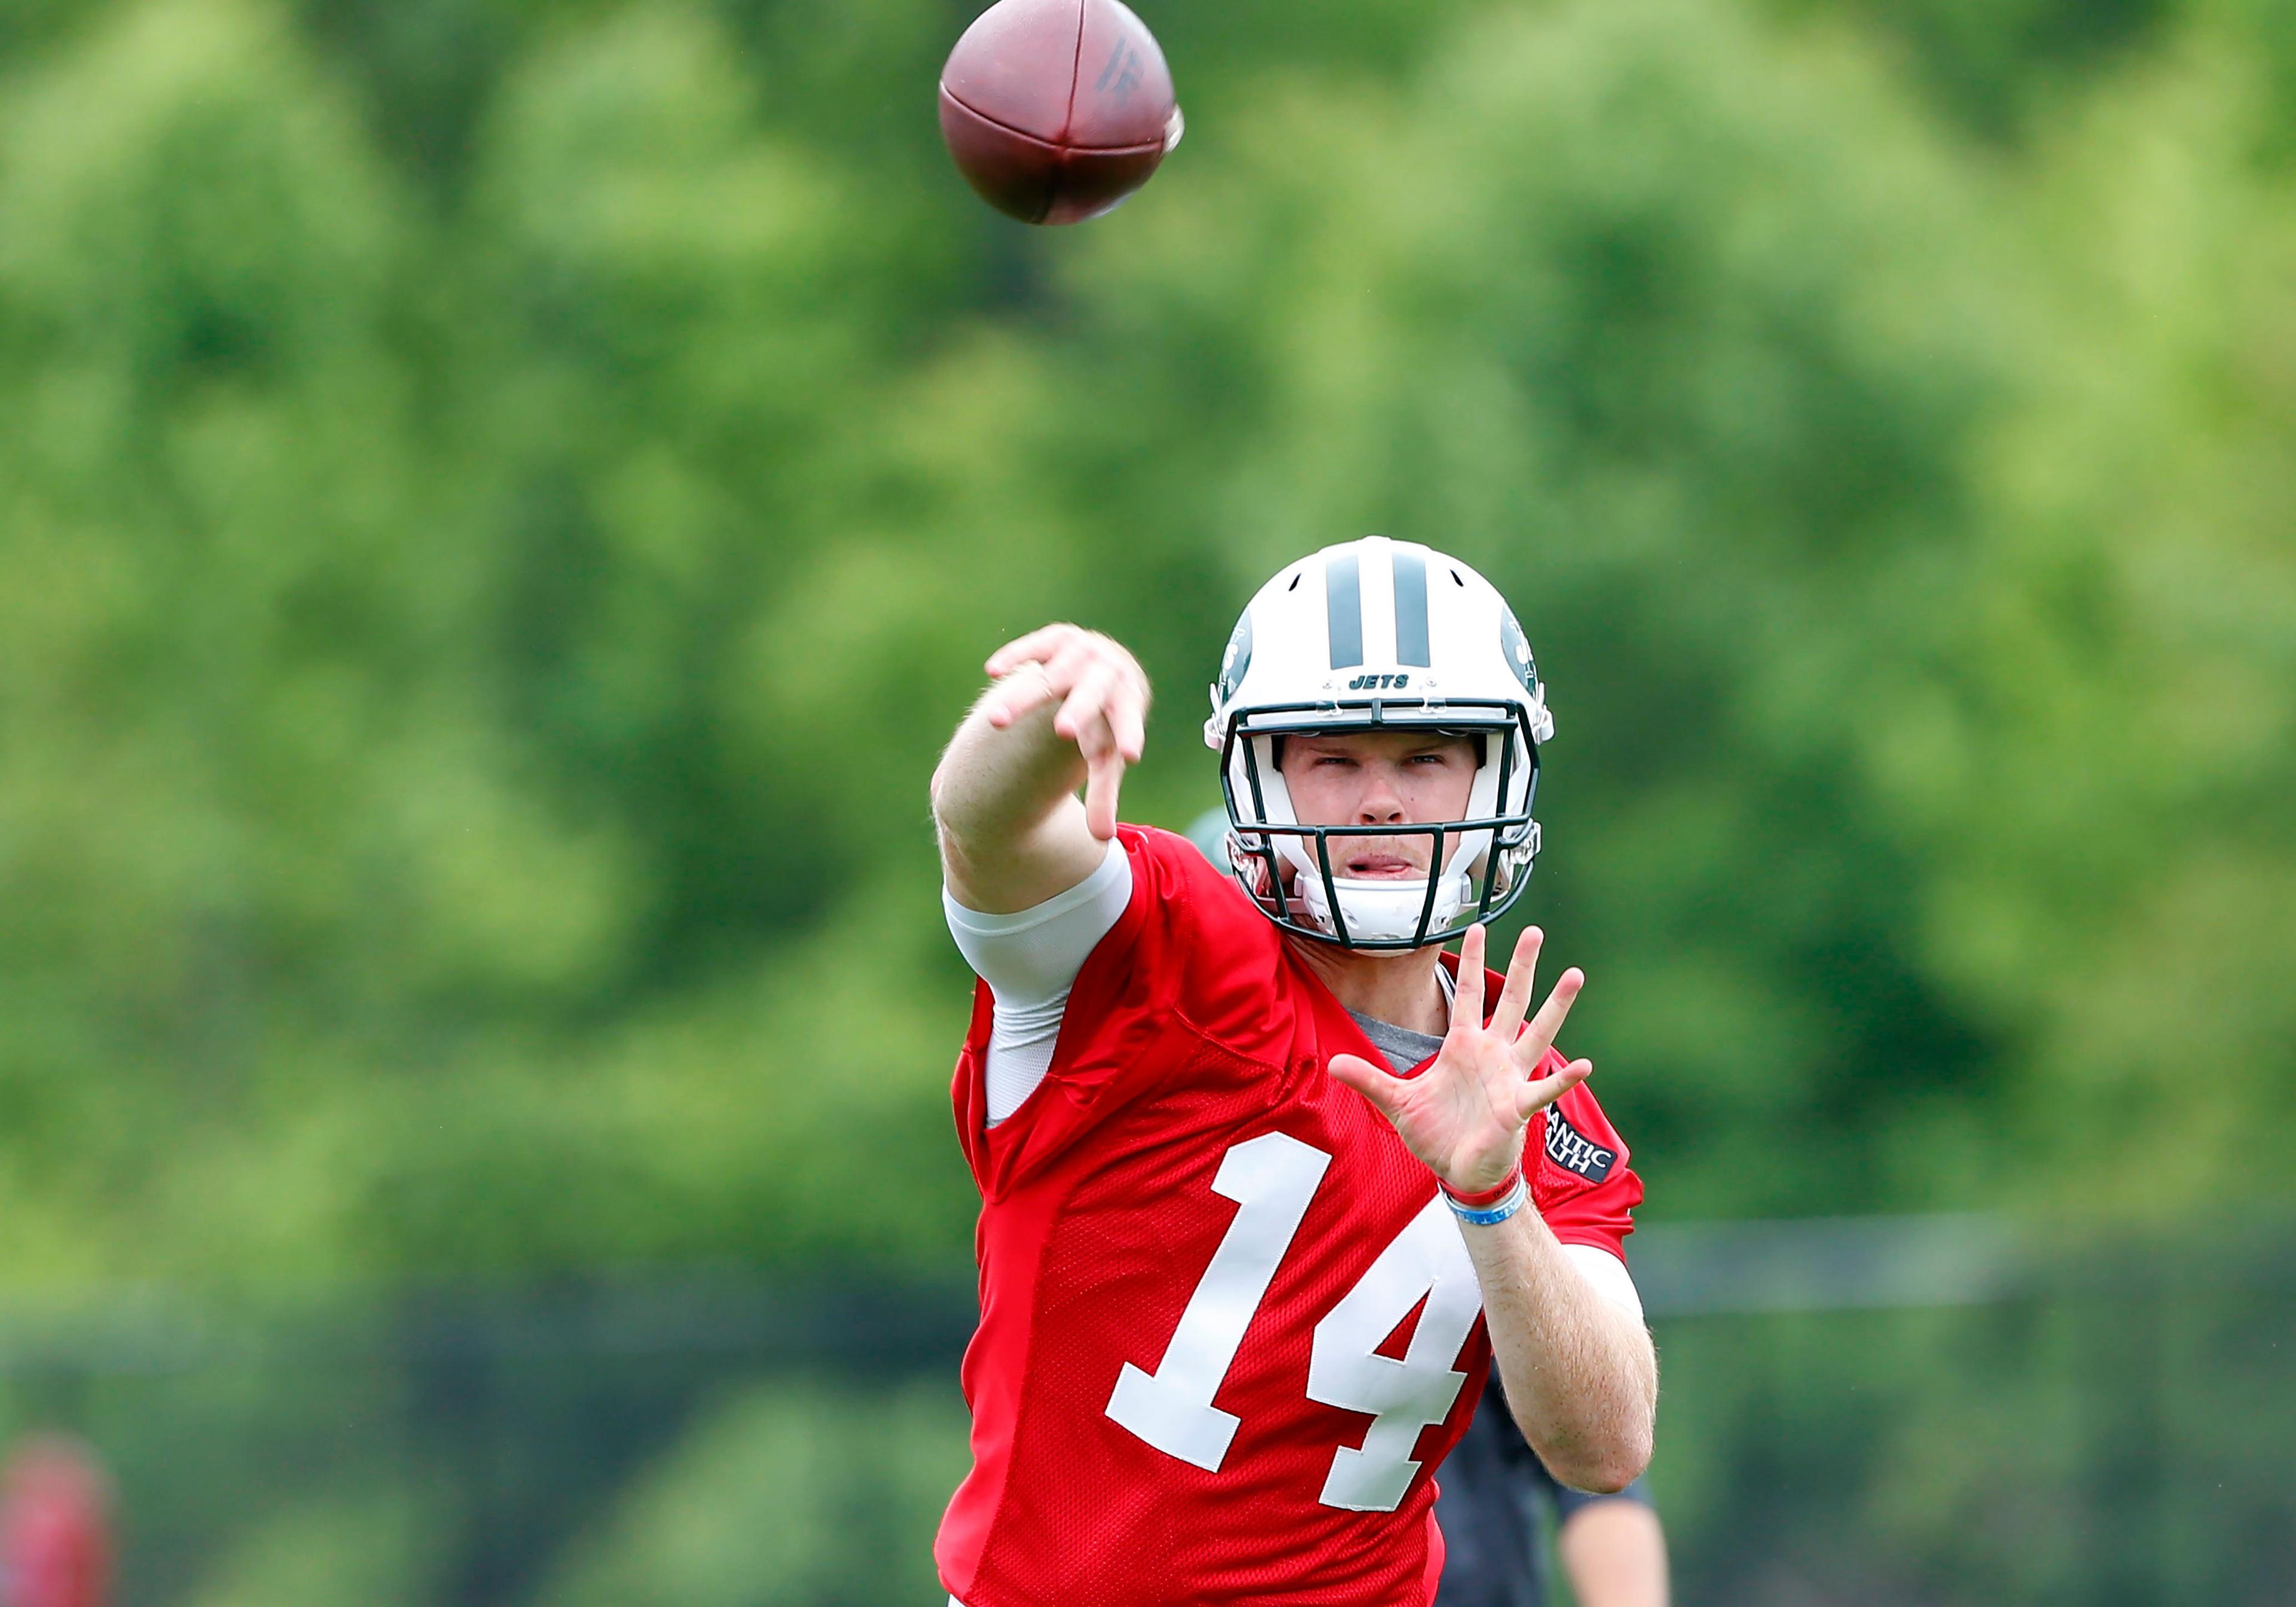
(1516, 647)
(1237, 660)
(1379, 635)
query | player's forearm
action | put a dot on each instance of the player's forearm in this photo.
(1581, 1374)
(1012, 831)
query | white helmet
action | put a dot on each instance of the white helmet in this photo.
(1369, 635)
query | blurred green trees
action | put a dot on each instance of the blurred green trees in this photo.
(502, 504)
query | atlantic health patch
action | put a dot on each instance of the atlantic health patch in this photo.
(1573, 1151)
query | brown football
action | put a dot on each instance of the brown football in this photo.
(1057, 110)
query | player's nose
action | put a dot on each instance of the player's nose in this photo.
(1383, 800)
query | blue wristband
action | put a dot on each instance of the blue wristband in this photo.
(1492, 1215)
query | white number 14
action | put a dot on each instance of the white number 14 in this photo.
(1272, 1179)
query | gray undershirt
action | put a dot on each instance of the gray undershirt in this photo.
(1403, 1048)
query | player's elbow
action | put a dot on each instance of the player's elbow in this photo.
(1614, 1473)
(939, 791)
(955, 811)
(1604, 1465)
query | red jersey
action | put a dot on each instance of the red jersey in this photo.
(1228, 1327)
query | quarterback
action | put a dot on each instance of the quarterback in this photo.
(1268, 1175)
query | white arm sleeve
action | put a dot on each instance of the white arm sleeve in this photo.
(1029, 959)
(1609, 1276)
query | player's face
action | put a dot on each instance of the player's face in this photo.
(1379, 778)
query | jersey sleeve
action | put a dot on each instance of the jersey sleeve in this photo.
(1188, 961)
(1581, 1180)
(1029, 959)
(1575, 1162)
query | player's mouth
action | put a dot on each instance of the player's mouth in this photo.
(1379, 864)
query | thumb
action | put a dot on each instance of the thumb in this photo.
(1538, 1096)
(1383, 1089)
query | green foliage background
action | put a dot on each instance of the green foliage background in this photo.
(500, 503)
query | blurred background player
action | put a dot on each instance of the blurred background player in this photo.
(55, 1526)
(1493, 1498)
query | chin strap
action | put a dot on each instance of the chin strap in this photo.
(1383, 910)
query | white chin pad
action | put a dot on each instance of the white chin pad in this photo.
(1382, 910)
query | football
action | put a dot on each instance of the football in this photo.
(1057, 110)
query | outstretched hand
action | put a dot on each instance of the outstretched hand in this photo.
(1464, 1115)
(1102, 695)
